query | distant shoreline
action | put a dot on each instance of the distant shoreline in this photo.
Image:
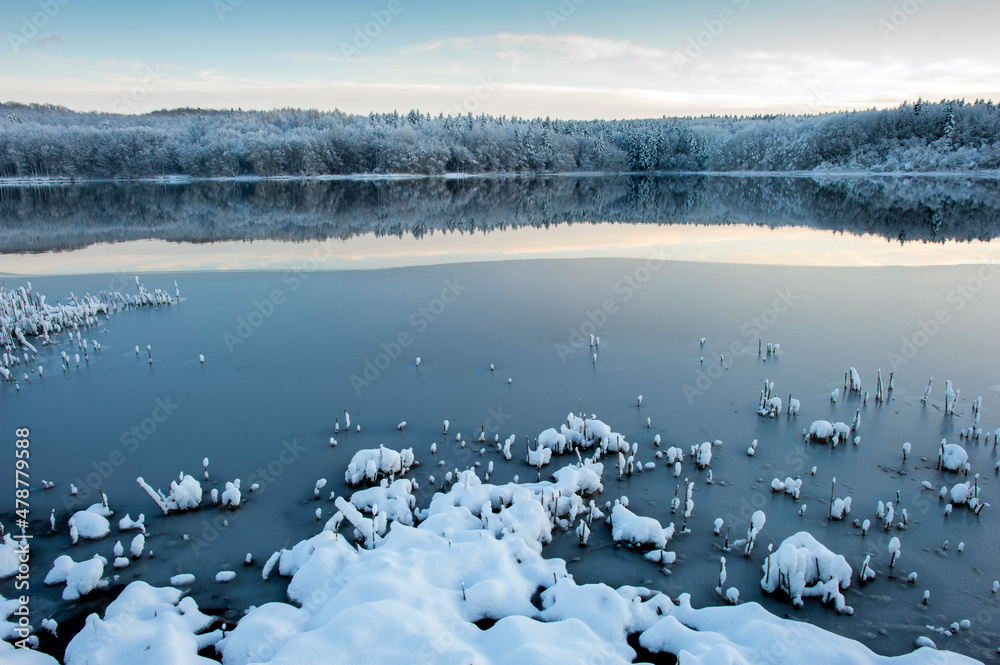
(179, 179)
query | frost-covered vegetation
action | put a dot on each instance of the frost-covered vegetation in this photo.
(50, 141)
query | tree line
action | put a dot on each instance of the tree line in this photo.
(40, 140)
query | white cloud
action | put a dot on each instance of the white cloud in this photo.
(532, 47)
(569, 76)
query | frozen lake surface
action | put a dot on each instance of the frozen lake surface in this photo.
(287, 351)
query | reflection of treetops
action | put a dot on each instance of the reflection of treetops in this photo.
(925, 209)
(43, 140)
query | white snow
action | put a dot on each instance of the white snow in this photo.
(961, 492)
(90, 525)
(703, 455)
(368, 465)
(802, 566)
(952, 456)
(821, 430)
(185, 494)
(790, 486)
(854, 379)
(80, 577)
(540, 456)
(395, 500)
(638, 531)
(145, 625)
(660, 556)
(553, 440)
(826, 432)
(127, 523)
(232, 496)
(138, 543)
(771, 408)
(475, 552)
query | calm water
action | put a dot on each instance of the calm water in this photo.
(891, 207)
(285, 374)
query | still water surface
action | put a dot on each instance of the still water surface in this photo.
(287, 351)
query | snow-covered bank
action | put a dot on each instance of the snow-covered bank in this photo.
(468, 584)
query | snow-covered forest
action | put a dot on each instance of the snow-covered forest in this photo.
(48, 141)
(898, 208)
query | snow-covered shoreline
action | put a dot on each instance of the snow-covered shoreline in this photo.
(181, 179)
(469, 582)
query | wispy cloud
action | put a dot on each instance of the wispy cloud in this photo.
(570, 76)
(529, 47)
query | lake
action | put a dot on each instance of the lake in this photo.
(309, 298)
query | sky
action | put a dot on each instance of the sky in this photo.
(568, 59)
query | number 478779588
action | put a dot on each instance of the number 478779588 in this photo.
(22, 476)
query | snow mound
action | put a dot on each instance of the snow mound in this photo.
(703, 454)
(580, 433)
(144, 624)
(638, 531)
(80, 578)
(417, 595)
(823, 431)
(395, 500)
(368, 465)
(748, 634)
(554, 441)
(185, 494)
(90, 525)
(952, 456)
(232, 496)
(562, 500)
(802, 566)
(539, 457)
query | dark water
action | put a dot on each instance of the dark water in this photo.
(893, 207)
(286, 374)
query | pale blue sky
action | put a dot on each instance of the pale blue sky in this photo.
(563, 58)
